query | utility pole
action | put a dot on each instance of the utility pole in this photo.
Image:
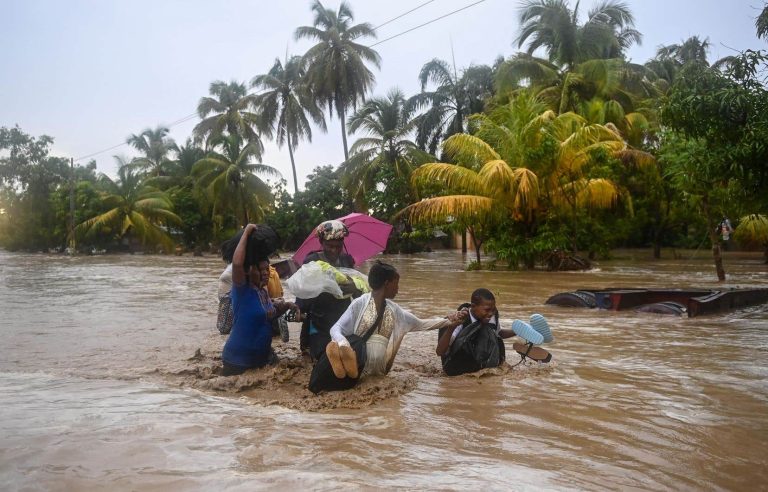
(72, 205)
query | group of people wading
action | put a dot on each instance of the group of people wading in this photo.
(354, 329)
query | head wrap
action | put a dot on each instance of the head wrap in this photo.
(332, 229)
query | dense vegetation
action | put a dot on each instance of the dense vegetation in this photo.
(563, 145)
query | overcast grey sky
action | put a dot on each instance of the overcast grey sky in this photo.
(91, 72)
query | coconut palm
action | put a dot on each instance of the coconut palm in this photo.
(493, 178)
(453, 99)
(566, 89)
(179, 170)
(388, 123)
(761, 23)
(285, 105)
(336, 70)
(227, 112)
(552, 25)
(670, 59)
(155, 145)
(230, 179)
(133, 208)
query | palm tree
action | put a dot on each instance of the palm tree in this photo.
(493, 178)
(230, 179)
(451, 102)
(388, 124)
(286, 103)
(336, 71)
(227, 112)
(663, 69)
(552, 25)
(761, 23)
(155, 145)
(179, 170)
(132, 208)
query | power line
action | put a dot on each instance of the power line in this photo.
(426, 23)
(402, 15)
(171, 125)
(101, 151)
(192, 115)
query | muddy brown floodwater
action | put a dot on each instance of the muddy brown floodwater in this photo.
(110, 382)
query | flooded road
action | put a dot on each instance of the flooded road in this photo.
(102, 389)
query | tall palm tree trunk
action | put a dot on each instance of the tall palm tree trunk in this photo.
(344, 133)
(293, 167)
(245, 208)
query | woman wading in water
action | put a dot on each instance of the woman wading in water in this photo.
(390, 323)
(250, 343)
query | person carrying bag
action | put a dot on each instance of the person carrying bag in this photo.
(323, 377)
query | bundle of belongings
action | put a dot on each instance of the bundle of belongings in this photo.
(318, 277)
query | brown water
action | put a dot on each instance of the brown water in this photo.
(101, 388)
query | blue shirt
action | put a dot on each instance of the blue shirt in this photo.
(250, 341)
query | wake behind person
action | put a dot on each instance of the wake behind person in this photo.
(321, 312)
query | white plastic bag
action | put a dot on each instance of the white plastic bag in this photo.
(314, 278)
(310, 281)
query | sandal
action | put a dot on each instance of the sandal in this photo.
(534, 353)
(539, 323)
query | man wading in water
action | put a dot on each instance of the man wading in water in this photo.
(389, 321)
(477, 343)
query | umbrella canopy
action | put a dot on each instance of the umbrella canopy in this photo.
(367, 237)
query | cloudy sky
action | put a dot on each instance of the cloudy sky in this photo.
(91, 72)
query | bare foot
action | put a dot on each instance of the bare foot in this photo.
(332, 351)
(349, 359)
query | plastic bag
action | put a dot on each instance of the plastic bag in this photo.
(316, 277)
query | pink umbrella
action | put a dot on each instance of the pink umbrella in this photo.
(367, 237)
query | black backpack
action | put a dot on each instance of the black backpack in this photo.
(476, 347)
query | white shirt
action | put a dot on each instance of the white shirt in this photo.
(457, 330)
(225, 281)
(403, 322)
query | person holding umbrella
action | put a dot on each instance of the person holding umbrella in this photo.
(321, 312)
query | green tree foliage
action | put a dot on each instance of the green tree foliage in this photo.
(28, 175)
(131, 209)
(323, 198)
(337, 74)
(286, 103)
(155, 145)
(719, 150)
(451, 102)
(228, 113)
(761, 23)
(382, 161)
(553, 26)
(230, 179)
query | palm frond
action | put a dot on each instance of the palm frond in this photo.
(468, 149)
(439, 210)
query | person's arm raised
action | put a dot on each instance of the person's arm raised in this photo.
(238, 259)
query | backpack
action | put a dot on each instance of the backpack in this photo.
(476, 347)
